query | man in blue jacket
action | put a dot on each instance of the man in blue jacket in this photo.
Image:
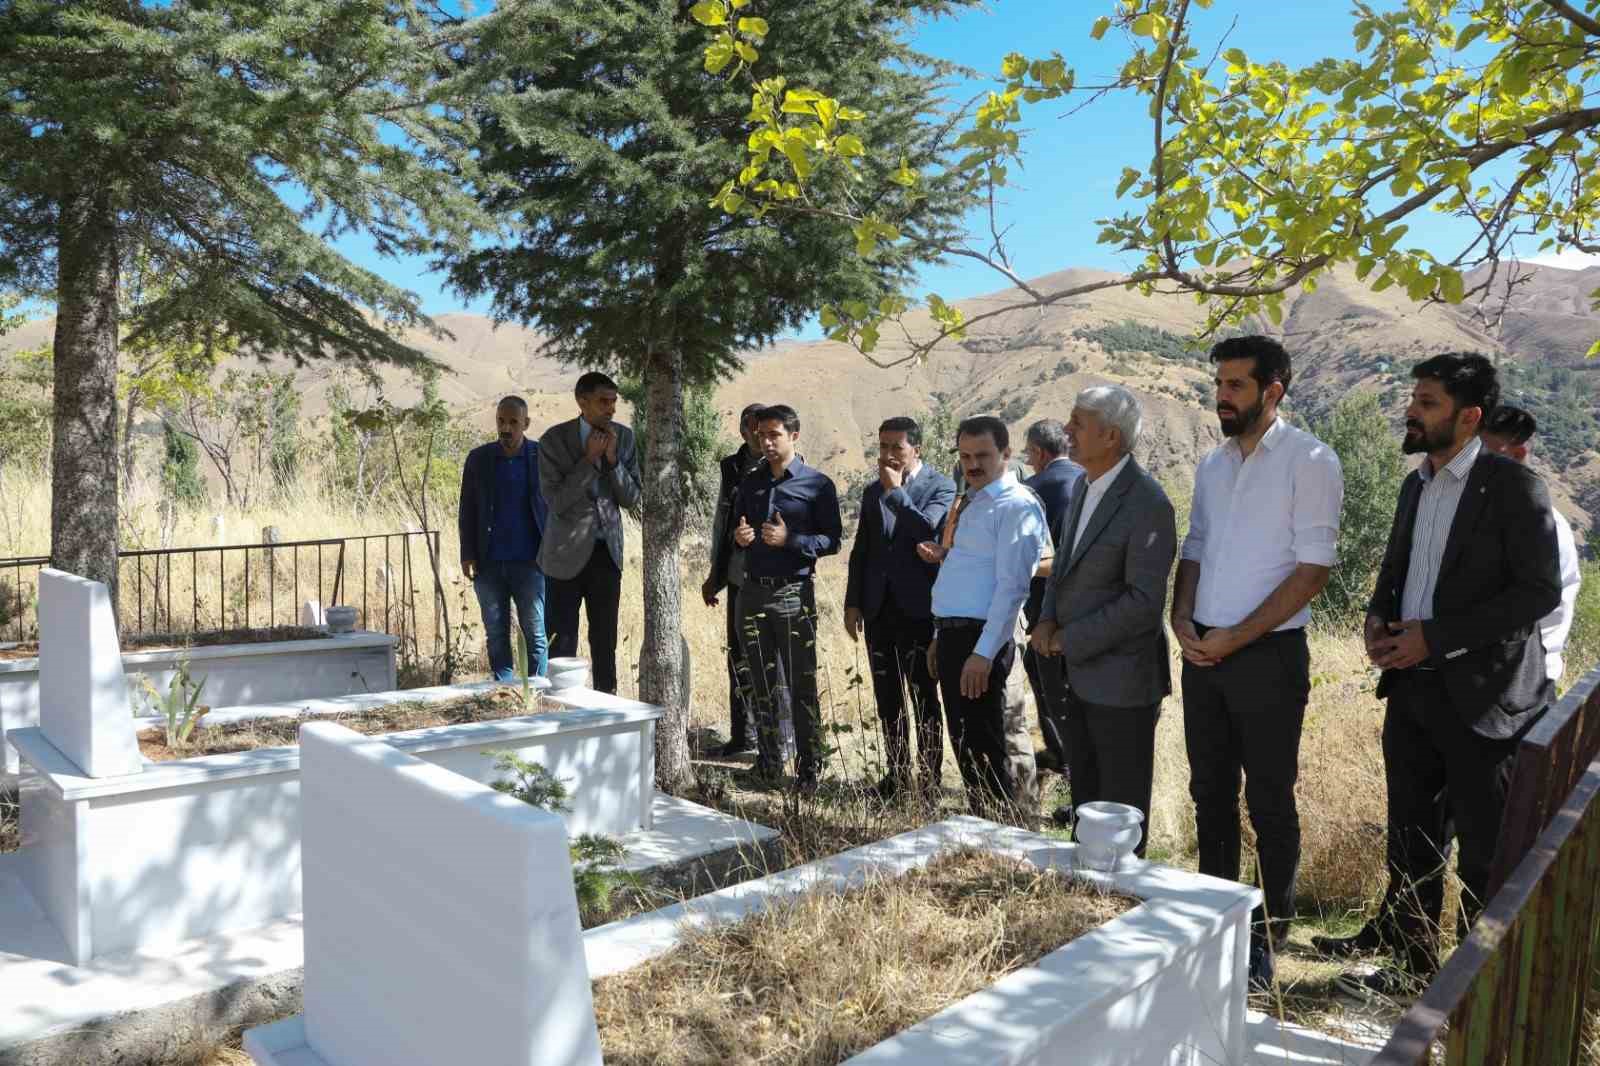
(501, 521)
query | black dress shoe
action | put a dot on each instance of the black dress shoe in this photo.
(1062, 816)
(1261, 966)
(1387, 982)
(735, 747)
(1369, 940)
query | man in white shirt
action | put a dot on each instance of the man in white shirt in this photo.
(1263, 530)
(988, 549)
(1510, 431)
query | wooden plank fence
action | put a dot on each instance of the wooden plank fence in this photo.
(1514, 992)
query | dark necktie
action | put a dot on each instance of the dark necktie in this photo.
(948, 540)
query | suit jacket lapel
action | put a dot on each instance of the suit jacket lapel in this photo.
(1109, 504)
(1074, 510)
(1473, 495)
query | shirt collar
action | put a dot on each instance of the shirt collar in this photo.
(1458, 467)
(792, 470)
(999, 485)
(913, 471)
(584, 429)
(1103, 482)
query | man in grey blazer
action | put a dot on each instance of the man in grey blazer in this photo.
(588, 472)
(1104, 607)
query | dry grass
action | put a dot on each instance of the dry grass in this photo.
(274, 732)
(10, 825)
(813, 981)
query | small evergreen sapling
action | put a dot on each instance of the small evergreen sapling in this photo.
(596, 858)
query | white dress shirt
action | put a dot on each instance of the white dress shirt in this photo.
(1436, 512)
(1096, 492)
(1000, 537)
(1254, 520)
(1558, 623)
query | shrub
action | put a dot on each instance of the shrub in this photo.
(1359, 432)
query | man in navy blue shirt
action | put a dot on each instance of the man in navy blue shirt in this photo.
(786, 518)
(501, 522)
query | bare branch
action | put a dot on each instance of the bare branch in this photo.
(1574, 16)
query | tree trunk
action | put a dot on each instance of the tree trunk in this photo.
(660, 654)
(83, 498)
(127, 437)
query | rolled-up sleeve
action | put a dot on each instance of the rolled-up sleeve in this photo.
(1022, 535)
(1194, 541)
(1318, 497)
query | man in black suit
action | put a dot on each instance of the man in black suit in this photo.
(890, 593)
(1469, 572)
(1054, 478)
(727, 572)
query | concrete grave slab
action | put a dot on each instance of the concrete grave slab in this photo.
(83, 695)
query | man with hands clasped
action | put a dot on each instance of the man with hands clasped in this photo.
(1469, 574)
(1263, 534)
(991, 543)
(1101, 616)
(787, 517)
(889, 596)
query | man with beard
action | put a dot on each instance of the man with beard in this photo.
(787, 519)
(1263, 529)
(992, 541)
(1469, 573)
(501, 522)
(727, 571)
(889, 595)
(589, 470)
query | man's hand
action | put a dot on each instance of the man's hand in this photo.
(599, 441)
(1043, 638)
(975, 677)
(1189, 642)
(708, 592)
(470, 568)
(852, 622)
(890, 477)
(930, 551)
(1218, 644)
(933, 659)
(1371, 633)
(612, 436)
(1403, 647)
(774, 534)
(743, 535)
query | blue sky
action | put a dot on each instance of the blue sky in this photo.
(1071, 164)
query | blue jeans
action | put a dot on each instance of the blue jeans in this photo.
(498, 586)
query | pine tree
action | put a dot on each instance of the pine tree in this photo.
(612, 139)
(225, 143)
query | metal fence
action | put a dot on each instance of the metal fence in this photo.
(249, 586)
(1514, 992)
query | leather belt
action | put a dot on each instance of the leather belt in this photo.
(959, 623)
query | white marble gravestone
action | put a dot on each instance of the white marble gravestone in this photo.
(441, 925)
(83, 694)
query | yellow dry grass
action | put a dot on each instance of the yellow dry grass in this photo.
(814, 980)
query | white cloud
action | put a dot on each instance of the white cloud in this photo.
(1567, 259)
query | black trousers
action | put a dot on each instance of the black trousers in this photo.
(598, 586)
(778, 626)
(1245, 714)
(1048, 679)
(1113, 753)
(738, 719)
(897, 649)
(977, 727)
(1444, 780)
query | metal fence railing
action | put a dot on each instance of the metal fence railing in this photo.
(1514, 992)
(249, 586)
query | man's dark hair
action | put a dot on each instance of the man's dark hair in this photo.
(1271, 361)
(593, 382)
(780, 412)
(985, 425)
(1469, 378)
(1512, 423)
(748, 415)
(513, 401)
(903, 424)
(1048, 435)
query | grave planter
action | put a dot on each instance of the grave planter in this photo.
(1164, 984)
(197, 846)
(267, 672)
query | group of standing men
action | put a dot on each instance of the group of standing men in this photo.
(1466, 623)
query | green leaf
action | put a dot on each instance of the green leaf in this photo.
(849, 146)
(1014, 65)
(1101, 25)
(1144, 25)
(710, 13)
(1129, 176)
(754, 27)
(1451, 287)
(829, 317)
(737, 4)
(718, 55)
(746, 53)
(1470, 34)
